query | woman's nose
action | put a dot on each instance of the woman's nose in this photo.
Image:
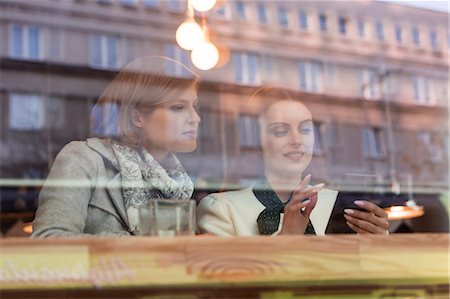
(296, 139)
(194, 118)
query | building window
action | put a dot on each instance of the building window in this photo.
(434, 151)
(105, 120)
(416, 36)
(35, 112)
(175, 5)
(248, 131)
(310, 74)
(318, 138)
(303, 20)
(433, 39)
(104, 51)
(25, 42)
(369, 84)
(283, 18)
(241, 13)
(177, 54)
(361, 28)
(262, 13)
(342, 22)
(421, 90)
(373, 142)
(398, 34)
(246, 68)
(379, 30)
(323, 23)
(151, 3)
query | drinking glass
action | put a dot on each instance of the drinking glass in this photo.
(167, 217)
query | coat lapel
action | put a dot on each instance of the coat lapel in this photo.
(114, 188)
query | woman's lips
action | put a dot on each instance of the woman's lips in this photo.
(191, 134)
(294, 156)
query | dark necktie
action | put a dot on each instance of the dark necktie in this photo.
(269, 219)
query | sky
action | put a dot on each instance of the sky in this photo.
(439, 5)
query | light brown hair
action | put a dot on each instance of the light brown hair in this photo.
(141, 85)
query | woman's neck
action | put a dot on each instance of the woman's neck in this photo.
(283, 186)
(158, 155)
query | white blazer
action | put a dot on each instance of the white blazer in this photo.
(234, 213)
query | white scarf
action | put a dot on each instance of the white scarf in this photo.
(144, 179)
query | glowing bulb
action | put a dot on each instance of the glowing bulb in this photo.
(205, 56)
(189, 34)
(203, 5)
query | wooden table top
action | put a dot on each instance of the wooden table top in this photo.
(202, 266)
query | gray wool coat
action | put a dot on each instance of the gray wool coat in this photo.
(83, 193)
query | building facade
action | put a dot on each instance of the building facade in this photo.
(374, 74)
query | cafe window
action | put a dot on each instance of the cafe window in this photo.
(175, 5)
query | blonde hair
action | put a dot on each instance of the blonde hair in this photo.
(141, 85)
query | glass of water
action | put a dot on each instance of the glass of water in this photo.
(167, 218)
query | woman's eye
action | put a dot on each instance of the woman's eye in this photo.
(306, 131)
(279, 133)
(177, 108)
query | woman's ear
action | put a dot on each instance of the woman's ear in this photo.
(136, 118)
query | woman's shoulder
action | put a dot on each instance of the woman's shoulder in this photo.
(229, 198)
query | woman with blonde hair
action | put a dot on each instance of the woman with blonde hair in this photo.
(96, 186)
(283, 201)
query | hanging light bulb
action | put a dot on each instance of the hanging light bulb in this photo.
(202, 5)
(205, 56)
(189, 34)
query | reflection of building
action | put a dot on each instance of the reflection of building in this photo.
(57, 56)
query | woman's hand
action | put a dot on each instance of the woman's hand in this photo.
(297, 211)
(374, 221)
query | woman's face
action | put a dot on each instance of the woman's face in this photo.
(287, 138)
(172, 126)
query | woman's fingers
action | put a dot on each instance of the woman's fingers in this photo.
(365, 224)
(311, 205)
(380, 222)
(371, 207)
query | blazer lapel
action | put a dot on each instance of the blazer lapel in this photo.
(320, 215)
(114, 188)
